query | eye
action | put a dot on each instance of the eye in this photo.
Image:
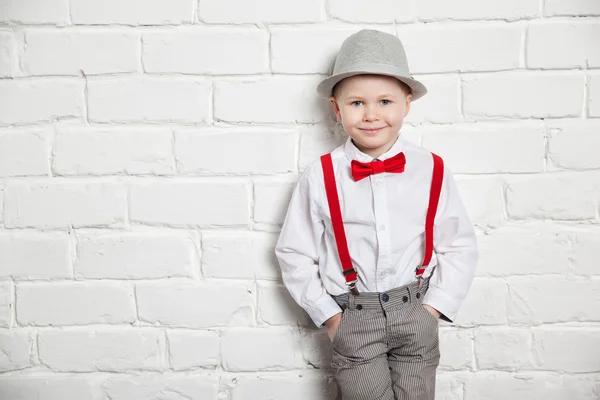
(356, 103)
(385, 102)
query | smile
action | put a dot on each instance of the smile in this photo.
(371, 130)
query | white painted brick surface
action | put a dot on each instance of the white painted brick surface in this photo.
(40, 100)
(8, 54)
(432, 10)
(259, 11)
(523, 95)
(75, 52)
(135, 256)
(111, 152)
(217, 304)
(464, 48)
(64, 204)
(24, 153)
(226, 152)
(105, 350)
(131, 12)
(574, 45)
(81, 303)
(191, 349)
(148, 149)
(15, 349)
(28, 255)
(210, 51)
(148, 100)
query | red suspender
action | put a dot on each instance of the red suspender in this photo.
(434, 198)
(337, 222)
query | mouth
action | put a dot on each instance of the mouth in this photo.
(371, 131)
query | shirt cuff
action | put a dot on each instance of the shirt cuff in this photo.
(441, 301)
(323, 309)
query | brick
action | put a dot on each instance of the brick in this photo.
(485, 304)
(526, 386)
(8, 54)
(523, 95)
(570, 350)
(482, 198)
(190, 349)
(553, 196)
(200, 51)
(586, 253)
(15, 349)
(40, 100)
(74, 303)
(276, 306)
(34, 256)
(432, 10)
(47, 387)
(488, 146)
(504, 348)
(271, 199)
(6, 304)
(535, 251)
(135, 256)
(449, 386)
(24, 153)
(572, 144)
(268, 100)
(259, 11)
(549, 299)
(131, 12)
(486, 47)
(145, 99)
(76, 52)
(317, 350)
(226, 152)
(32, 12)
(302, 51)
(133, 151)
(577, 8)
(261, 350)
(378, 11)
(165, 386)
(105, 350)
(214, 304)
(594, 96)
(276, 387)
(190, 203)
(316, 141)
(239, 255)
(441, 104)
(574, 45)
(456, 349)
(62, 204)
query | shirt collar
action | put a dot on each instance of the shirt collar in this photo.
(353, 153)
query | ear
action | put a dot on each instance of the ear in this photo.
(336, 108)
(407, 108)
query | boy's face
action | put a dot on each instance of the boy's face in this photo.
(371, 109)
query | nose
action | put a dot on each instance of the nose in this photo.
(370, 114)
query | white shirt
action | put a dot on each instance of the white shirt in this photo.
(384, 218)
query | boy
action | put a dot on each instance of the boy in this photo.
(357, 246)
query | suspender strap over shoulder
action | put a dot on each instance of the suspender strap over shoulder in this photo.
(434, 197)
(337, 222)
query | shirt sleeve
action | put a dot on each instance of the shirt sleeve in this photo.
(297, 251)
(455, 246)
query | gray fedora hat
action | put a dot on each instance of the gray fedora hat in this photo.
(371, 52)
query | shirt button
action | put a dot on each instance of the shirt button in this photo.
(382, 227)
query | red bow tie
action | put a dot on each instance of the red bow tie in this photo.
(362, 170)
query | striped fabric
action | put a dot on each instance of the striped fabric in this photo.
(386, 346)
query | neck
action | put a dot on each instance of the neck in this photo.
(378, 152)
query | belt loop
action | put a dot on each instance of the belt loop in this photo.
(351, 301)
(410, 289)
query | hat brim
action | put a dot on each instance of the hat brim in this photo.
(418, 90)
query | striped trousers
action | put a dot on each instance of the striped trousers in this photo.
(386, 346)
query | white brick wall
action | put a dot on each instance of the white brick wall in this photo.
(148, 149)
